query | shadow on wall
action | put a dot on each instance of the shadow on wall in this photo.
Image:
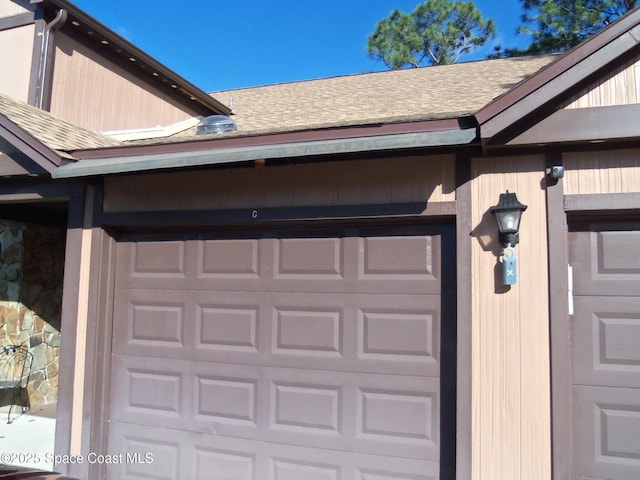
(31, 279)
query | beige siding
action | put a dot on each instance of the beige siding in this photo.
(602, 172)
(333, 183)
(623, 88)
(16, 49)
(511, 392)
(95, 93)
(9, 8)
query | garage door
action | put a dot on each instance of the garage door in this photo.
(605, 340)
(281, 356)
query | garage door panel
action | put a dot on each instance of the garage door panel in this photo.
(340, 265)
(606, 425)
(154, 319)
(607, 329)
(373, 414)
(162, 455)
(155, 260)
(386, 334)
(608, 261)
(291, 357)
(214, 458)
(150, 391)
(605, 350)
(227, 259)
(364, 333)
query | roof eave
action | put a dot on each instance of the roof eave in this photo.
(234, 153)
(45, 157)
(241, 139)
(539, 95)
(195, 93)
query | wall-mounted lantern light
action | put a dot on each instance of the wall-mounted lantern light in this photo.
(508, 213)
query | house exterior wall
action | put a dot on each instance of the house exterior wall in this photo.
(103, 95)
(510, 328)
(622, 88)
(380, 181)
(16, 47)
(429, 180)
(600, 172)
(9, 9)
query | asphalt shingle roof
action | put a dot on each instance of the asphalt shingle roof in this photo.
(53, 132)
(446, 91)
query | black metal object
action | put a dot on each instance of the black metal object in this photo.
(15, 372)
(508, 213)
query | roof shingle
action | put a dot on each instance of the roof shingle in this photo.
(53, 132)
(446, 91)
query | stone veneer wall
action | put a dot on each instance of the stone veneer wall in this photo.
(31, 277)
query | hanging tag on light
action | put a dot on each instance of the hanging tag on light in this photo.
(510, 266)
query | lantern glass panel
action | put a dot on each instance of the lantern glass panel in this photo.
(508, 220)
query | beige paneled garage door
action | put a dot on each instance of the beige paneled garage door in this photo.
(605, 339)
(279, 356)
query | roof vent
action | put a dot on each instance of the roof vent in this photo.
(216, 124)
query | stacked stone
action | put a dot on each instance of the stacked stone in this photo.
(31, 274)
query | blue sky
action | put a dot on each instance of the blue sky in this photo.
(225, 44)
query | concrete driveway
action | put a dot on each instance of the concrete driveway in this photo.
(28, 441)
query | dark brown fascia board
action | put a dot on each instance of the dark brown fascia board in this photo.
(321, 149)
(214, 142)
(592, 125)
(561, 76)
(26, 143)
(100, 30)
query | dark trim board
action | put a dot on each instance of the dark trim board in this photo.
(44, 158)
(558, 261)
(464, 384)
(15, 21)
(248, 154)
(196, 218)
(583, 125)
(593, 203)
(71, 291)
(15, 189)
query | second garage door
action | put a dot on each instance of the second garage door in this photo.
(605, 349)
(280, 355)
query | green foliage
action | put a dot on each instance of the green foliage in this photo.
(558, 25)
(437, 32)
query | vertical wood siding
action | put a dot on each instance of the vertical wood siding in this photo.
(400, 180)
(602, 172)
(623, 88)
(9, 9)
(16, 49)
(95, 93)
(511, 383)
